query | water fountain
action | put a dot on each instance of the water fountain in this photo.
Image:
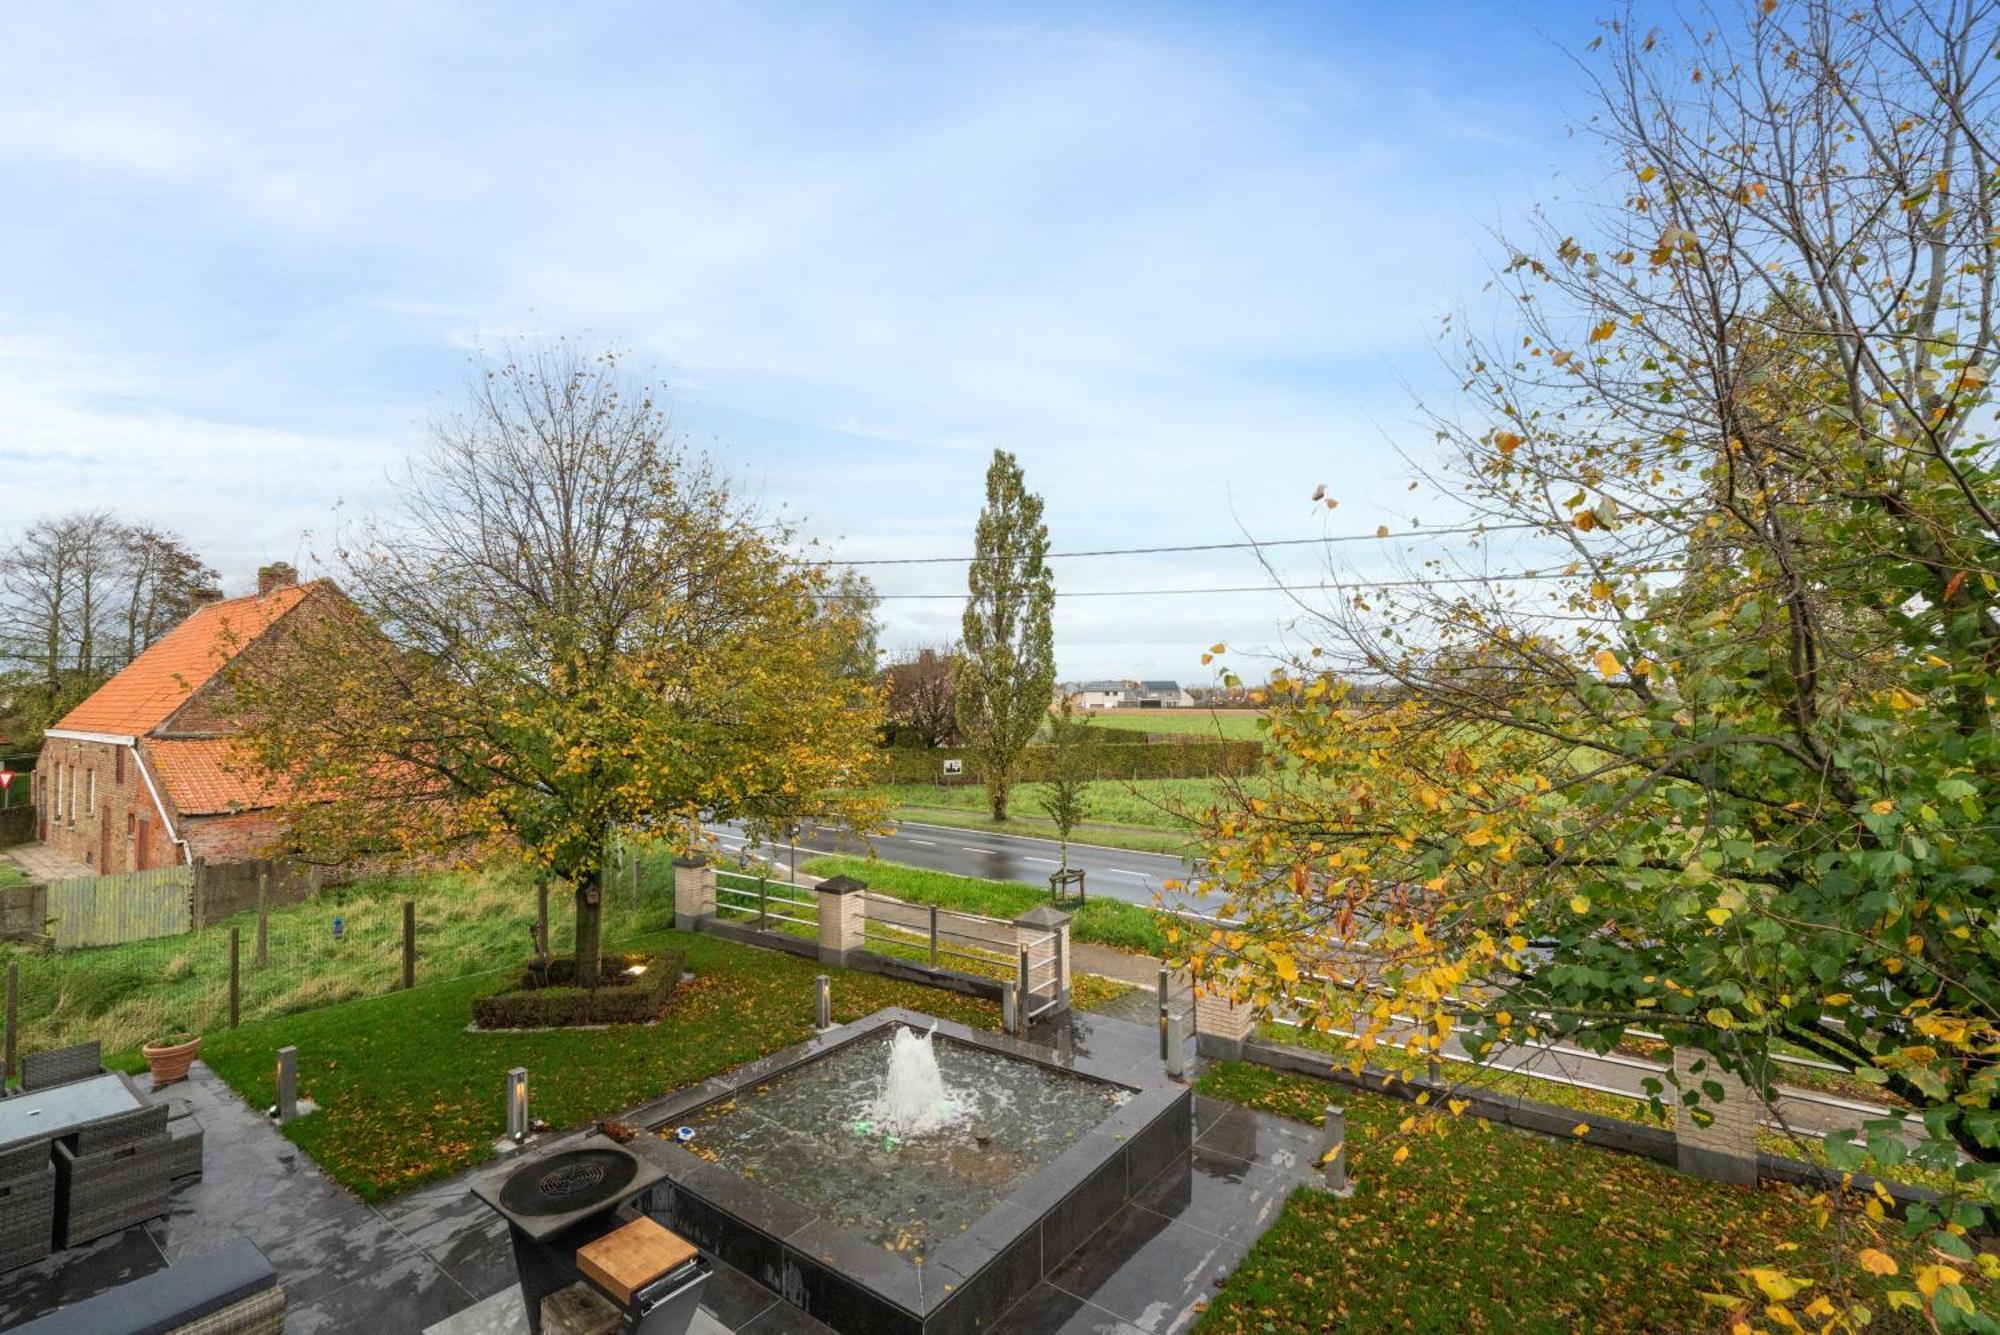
(914, 1101)
(901, 1173)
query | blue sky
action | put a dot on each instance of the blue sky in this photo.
(1187, 263)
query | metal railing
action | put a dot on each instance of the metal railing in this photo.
(768, 901)
(1039, 980)
(942, 934)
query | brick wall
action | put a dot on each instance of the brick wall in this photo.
(1727, 1147)
(120, 828)
(244, 836)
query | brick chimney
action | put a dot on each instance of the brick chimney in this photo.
(277, 575)
(202, 597)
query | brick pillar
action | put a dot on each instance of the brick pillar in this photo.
(1221, 1026)
(1030, 928)
(843, 919)
(1725, 1149)
(694, 893)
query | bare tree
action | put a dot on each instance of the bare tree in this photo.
(920, 694)
(159, 577)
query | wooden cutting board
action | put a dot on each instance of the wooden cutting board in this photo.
(626, 1260)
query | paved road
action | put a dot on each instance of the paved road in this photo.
(1113, 873)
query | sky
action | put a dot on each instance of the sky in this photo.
(1188, 263)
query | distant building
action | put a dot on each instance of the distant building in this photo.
(147, 771)
(1110, 694)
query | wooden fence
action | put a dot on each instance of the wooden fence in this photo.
(129, 906)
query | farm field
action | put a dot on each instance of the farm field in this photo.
(1227, 724)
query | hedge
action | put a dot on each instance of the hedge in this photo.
(620, 999)
(1194, 758)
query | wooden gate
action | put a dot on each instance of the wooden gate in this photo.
(131, 906)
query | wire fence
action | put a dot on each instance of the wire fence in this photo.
(366, 939)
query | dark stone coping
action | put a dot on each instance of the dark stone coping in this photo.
(1606, 1133)
(857, 1287)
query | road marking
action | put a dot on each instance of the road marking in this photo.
(1127, 871)
(904, 838)
(1050, 861)
(968, 848)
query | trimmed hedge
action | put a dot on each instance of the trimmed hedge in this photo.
(619, 997)
(1194, 758)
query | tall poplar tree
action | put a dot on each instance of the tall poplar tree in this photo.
(1007, 671)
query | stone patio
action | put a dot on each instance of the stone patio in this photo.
(43, 863)
(435, 1260)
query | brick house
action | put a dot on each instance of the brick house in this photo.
(146, 772)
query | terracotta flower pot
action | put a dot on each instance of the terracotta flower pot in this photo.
(170, 1061)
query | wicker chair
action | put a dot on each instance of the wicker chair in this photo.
(112, 1174)
(27, 1203)
(59, 1066)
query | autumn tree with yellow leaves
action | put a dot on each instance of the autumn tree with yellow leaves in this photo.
(572, 632)
(1715, 754)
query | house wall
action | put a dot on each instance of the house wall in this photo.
(243, 836)
(124, 808)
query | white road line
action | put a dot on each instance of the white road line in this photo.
(990, 852)
(1050, 861)
(1126, 871)
(905, 839)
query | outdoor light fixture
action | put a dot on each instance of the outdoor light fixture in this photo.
(339, 927)
(823, 1002)
(636, 970)
(288, 1084)
(517, 1104)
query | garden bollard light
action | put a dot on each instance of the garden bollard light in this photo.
(1177, 1046)
(517, 1104)
(1010, 1006)
(1333, 1160)
(823, 1001)
(288, 1084)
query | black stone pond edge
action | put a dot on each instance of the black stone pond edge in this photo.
(968, 1281)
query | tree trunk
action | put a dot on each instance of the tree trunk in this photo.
(996, 795)
(589, 931)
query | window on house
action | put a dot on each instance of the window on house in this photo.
(90, 791)
(118, 767)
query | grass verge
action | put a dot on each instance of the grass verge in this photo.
(1483, 1228)
(407, 1095)
(1106, 922)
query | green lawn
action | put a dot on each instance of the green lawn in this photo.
(408, 1095)
(1125, 813)
(1484, 1228)
(1108, 922)
(1226, 724)
(11, 875)
(467, 922)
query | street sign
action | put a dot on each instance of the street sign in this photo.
(6, 777)
(953, 768)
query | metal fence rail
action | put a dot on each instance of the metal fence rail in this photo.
(767, 900)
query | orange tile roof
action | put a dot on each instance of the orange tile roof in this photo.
(158, 681)
(208, 776)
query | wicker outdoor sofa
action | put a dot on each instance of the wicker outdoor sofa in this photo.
(230, 1291)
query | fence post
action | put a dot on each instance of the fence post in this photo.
(235, 975)
(934, 943)
(1176, 1047)
(542, 916)
(263, 914)
(1062, 970)
(1025, 990)
(763, 902)
(409, 944)
(13, 1017)
(198, 895)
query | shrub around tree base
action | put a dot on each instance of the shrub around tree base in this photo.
(551, 1000)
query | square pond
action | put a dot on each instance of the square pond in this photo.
(810, 1134)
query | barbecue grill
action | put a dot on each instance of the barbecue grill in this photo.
(557, 1203)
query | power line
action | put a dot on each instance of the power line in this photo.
(1510, 577)
(1377, 536)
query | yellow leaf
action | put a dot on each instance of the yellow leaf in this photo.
(1647, 173)
(1608, 664)
(1775, 1285)
(1580, 1129)
(1603, 331)
(1883, 807)
(1402, 1153)
(1903, 700)
(1876, 1262)
(1580, 904)
(1506, 442)
(1719, 916)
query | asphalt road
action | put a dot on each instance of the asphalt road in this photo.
(1113, 873)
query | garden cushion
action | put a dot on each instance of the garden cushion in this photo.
(166, 1299)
